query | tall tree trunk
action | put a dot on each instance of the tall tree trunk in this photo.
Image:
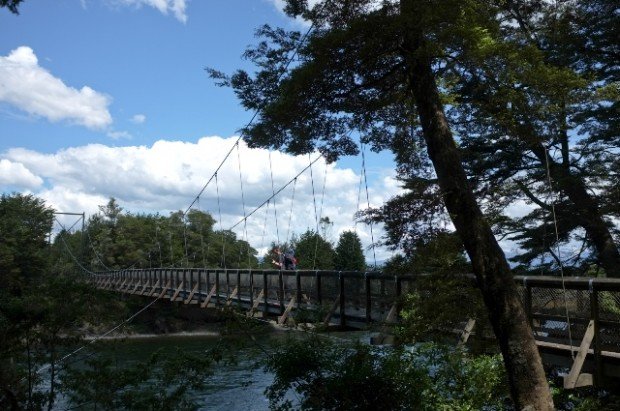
(587, 211)
(528, 384)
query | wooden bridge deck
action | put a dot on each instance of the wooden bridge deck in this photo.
(590, 346)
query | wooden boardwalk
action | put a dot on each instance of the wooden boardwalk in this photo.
(576, 322)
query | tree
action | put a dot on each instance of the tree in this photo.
(349, 253)
(375, 70)
(546, 94)
(12, 5)
(25, 224)
(313, 252)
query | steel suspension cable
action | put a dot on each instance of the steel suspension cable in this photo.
(245, 225)
(316, 216)
(276, 193)
(560, 265)
(219, 210)
(290, 214)
(275, 213)
(283, 71)
(372, 235)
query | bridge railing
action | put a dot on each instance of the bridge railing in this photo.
(558, 310)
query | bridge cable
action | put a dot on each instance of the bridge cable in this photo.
(560, 265)
(99, 337)
(202, 243)
(275, 212)
(90, 242)
(372, 236)
(316, 215)
(272, 197)
(283, 71)
(321, 212)
(290, 214)
(262, 241)
(245, 225)
(219, 210)
(68, 249)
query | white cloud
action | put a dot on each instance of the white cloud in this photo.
(116, 135)
(138, 118)
(16, 175)
(176, 7)
(168, 175)
(31, 88)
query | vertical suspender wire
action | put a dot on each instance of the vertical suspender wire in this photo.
(219, 210)
(184, 217)
(290, 214)
(321, 207)
(202, 242)
(245, 218)
(262, 241)
(273, 192)
(372, 235)
(558, 250)
(316, 215)
(359, 194)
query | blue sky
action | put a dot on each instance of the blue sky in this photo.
(147, 63)
(102, 98)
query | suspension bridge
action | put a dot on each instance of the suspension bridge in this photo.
(576, 321)
(586, 341)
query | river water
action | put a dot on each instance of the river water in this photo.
(231, 386)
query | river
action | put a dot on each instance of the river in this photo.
(237, 386)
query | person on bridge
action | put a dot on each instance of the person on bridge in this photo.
(285, 261)
(290, 262)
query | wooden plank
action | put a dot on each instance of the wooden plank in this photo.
(231, 296)
(211, 293)
(154, 288)
(127, 287)
(331, 311)
(135, 290)
(164, 290)
(392, 314)
(469, 327)
(289, 307)
(120, 287)
(257, 302)
(570, 380)
(191, 295)
(177, 291)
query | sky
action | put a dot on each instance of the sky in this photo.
(109, 98)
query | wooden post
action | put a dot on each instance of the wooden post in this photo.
(191, 294)
(298, 286)
(368, 299)
(596, 342)
(343, 320)
(255, 303)
(239, 288)
(217, 288)
(319, 297)
(575, 378)
(205, 303)
(284, 316)
(281, 291)
(266, 292)
(251, 288)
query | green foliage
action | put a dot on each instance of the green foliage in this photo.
(121, 240)
(349, 253)
(313, 252)
(336, 376)
(164, 382)
(25, 224)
